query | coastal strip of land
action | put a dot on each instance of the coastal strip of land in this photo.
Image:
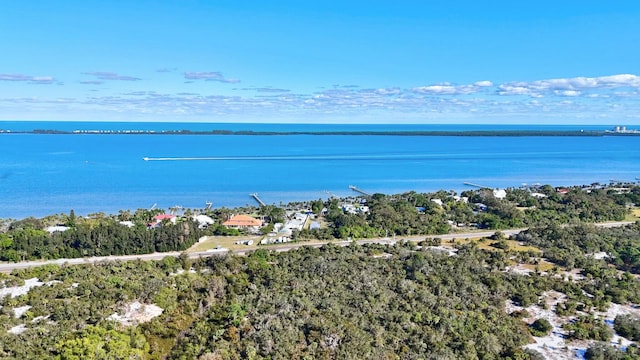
(518, 133)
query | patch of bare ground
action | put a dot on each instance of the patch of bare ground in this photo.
(556, 345)
(136, 313)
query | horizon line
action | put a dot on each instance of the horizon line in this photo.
(315, 123)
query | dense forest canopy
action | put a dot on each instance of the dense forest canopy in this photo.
(355, 302)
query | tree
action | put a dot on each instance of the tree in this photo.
(540, 327)
(588, 327)
(603, 351)
(317, 206)
(71, 219)
(95, 342)
(627, 326)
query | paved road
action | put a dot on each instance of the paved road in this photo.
(8, 267)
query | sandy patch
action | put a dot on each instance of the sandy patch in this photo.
(18, 329)
(19, 311)
(555, 346)
(181, 271)
(16, 291)
(599, 255)
(443, 250)
(575, 274)
(519, 269)
(609, 317)
(41, 318)
(552, 346)
(137, 313)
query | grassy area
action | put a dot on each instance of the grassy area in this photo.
(226, 242)
(487, 244)
(634, 216)
(229, 242)
(513, 246)
(516, 246)
(543, 265)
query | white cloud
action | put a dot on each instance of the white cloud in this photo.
(484, 83)
(28, 78)
(43, 80)
(548, 98)
(15, 77)
(567, 92)
(440, 89)
(596, 96)
(621, 80)
(570, 86)
(388, 91)
(209, 76)
(445, 89)
(92, 82)
(519, 89)
(105, 75)
(452, 89)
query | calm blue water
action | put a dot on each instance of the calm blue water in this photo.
(48, 174)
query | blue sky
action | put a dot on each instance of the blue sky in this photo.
(491, 62)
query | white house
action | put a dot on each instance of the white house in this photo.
(203, 220)
(499, 193)
(57, 228)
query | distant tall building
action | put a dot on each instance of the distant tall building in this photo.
(623, 130)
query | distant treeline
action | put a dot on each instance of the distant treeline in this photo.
(374, 133)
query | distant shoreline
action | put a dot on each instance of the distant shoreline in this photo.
(511, 133)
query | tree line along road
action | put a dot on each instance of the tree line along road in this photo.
(8, 267)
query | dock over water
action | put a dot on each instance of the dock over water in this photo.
(476, 185)
(255, 196)
(356, 189)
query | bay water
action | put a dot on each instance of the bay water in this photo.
(44, 174)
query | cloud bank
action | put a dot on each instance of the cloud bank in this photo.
(209, 76)
(28, 78)
(570, 86)
(104, 75)
(605, 98)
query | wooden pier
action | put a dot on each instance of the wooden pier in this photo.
(476, 185)
(331, 195)
(356, 189)
(255, 196)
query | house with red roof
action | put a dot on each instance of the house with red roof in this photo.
(243, 222)
(158, 219)
(162, 217)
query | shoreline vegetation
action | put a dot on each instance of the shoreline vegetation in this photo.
(364, 216)
(588, 133)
